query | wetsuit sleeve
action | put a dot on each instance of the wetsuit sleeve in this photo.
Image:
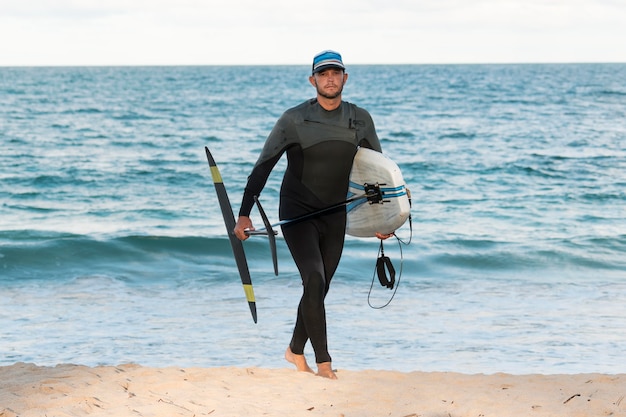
(256, 182)
(273, 149)
(366, 131)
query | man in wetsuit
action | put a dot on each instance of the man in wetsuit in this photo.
(320, 137)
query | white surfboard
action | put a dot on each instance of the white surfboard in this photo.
(372, 169)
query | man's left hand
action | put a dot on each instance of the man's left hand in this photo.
(384, 236)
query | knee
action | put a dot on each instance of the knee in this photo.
(314, 289)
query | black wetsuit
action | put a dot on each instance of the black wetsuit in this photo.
(320, 147)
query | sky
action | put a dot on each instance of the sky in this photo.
(253, 32)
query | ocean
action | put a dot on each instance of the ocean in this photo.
(113, 249)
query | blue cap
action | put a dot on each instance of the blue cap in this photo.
(327, 59)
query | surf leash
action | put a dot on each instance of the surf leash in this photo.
(384, 266)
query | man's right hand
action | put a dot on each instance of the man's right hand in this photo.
(243, 223)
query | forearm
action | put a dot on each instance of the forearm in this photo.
(256, 182)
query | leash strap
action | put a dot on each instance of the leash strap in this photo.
(384, 266)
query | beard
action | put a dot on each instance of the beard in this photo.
(331, 96)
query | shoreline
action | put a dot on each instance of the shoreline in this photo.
(28, 390)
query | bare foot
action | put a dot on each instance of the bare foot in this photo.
(298, 360)
(325, 369)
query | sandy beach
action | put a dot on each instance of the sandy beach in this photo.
(27, 390)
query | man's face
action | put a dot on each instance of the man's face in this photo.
(329, 83)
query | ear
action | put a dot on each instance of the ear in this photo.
(312, 81)
(345, 77)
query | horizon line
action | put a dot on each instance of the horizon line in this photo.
(308, 65)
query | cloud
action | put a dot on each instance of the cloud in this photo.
(141, 32)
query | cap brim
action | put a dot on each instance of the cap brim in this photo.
(325, 67)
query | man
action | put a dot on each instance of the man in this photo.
(320, 137)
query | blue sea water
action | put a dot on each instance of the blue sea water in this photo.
(113, 250)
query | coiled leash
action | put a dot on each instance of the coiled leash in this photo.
(385, 270)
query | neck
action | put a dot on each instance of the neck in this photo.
(329, 104)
